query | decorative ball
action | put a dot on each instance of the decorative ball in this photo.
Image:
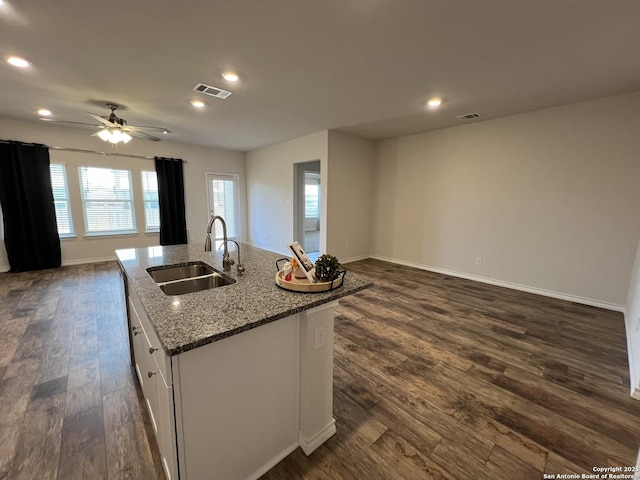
(328, 268)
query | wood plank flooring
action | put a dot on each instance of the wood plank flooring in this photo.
(70, 406)
(438, 377)
(435, 377)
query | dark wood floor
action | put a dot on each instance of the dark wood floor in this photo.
(70, 407)
(435, 377)
(440, 377)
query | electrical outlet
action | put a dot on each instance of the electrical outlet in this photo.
(479, 261)
(321, 336)
(346, 247)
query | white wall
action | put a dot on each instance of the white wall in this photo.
(270, 185)
(349, 196)
(549, 200)
(346, 179)
(199, 161)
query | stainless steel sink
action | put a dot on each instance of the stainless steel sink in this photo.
(188, 278)
(169, 273)
(191, 285)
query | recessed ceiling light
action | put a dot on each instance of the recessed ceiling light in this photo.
(230, 76)
(434, 102)
(197, 103)
(43, 112)
(17, 62)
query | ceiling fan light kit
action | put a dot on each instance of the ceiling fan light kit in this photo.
(114, 135)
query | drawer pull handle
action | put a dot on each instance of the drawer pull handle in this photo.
(151, 350)
(151, 374)
(135, 330)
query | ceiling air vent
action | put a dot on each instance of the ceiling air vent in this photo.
(468, 116)
(213, 91)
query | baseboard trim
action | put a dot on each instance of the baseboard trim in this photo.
(273, 462)
(355, 259)
(514, 286)
(309, 445)
(68, 263)
(269, 249)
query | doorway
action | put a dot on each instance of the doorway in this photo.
(222, 200)
(308, 205)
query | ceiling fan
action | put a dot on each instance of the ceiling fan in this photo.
(114, 129)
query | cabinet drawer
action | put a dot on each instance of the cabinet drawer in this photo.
(143, 361)
(153, 346)
(157, 360)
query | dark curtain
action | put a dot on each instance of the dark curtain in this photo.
(30, 228)
(173, 223)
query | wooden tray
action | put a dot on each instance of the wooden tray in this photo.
(304, 285)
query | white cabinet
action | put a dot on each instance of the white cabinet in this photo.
(237, 403)
(153, 369)
(234, 408)
(632, 323)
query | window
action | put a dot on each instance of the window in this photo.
(223, 200)
(150, 197)
(107, 199)
(311, 199)
(61, 199)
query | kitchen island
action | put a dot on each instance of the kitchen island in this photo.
(234, 377)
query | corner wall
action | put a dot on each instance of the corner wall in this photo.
(346, 178)
(270, 185)
(199, 161)
(548, 200)
(349, 196)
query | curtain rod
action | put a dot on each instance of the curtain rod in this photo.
(81, 150)
(104, 154)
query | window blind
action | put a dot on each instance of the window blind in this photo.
(223, 196)
(107, 200)
(61, 199)
(311, 199)
(151, 204)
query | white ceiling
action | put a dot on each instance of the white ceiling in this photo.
(361, 66)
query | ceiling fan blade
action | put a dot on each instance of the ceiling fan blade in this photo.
(160, 129)
(102, 120)
(72, 123)
(146, 136)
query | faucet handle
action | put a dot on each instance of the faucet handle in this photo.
(227, 261)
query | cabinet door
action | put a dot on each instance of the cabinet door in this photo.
(146, 368)
(166, 434)
(137, 340)
(150, 363)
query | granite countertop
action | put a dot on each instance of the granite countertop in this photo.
(189, 321)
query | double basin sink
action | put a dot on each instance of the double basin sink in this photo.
(188, 278)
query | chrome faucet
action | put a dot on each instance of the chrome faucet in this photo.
(227, 261)
(239, 266)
